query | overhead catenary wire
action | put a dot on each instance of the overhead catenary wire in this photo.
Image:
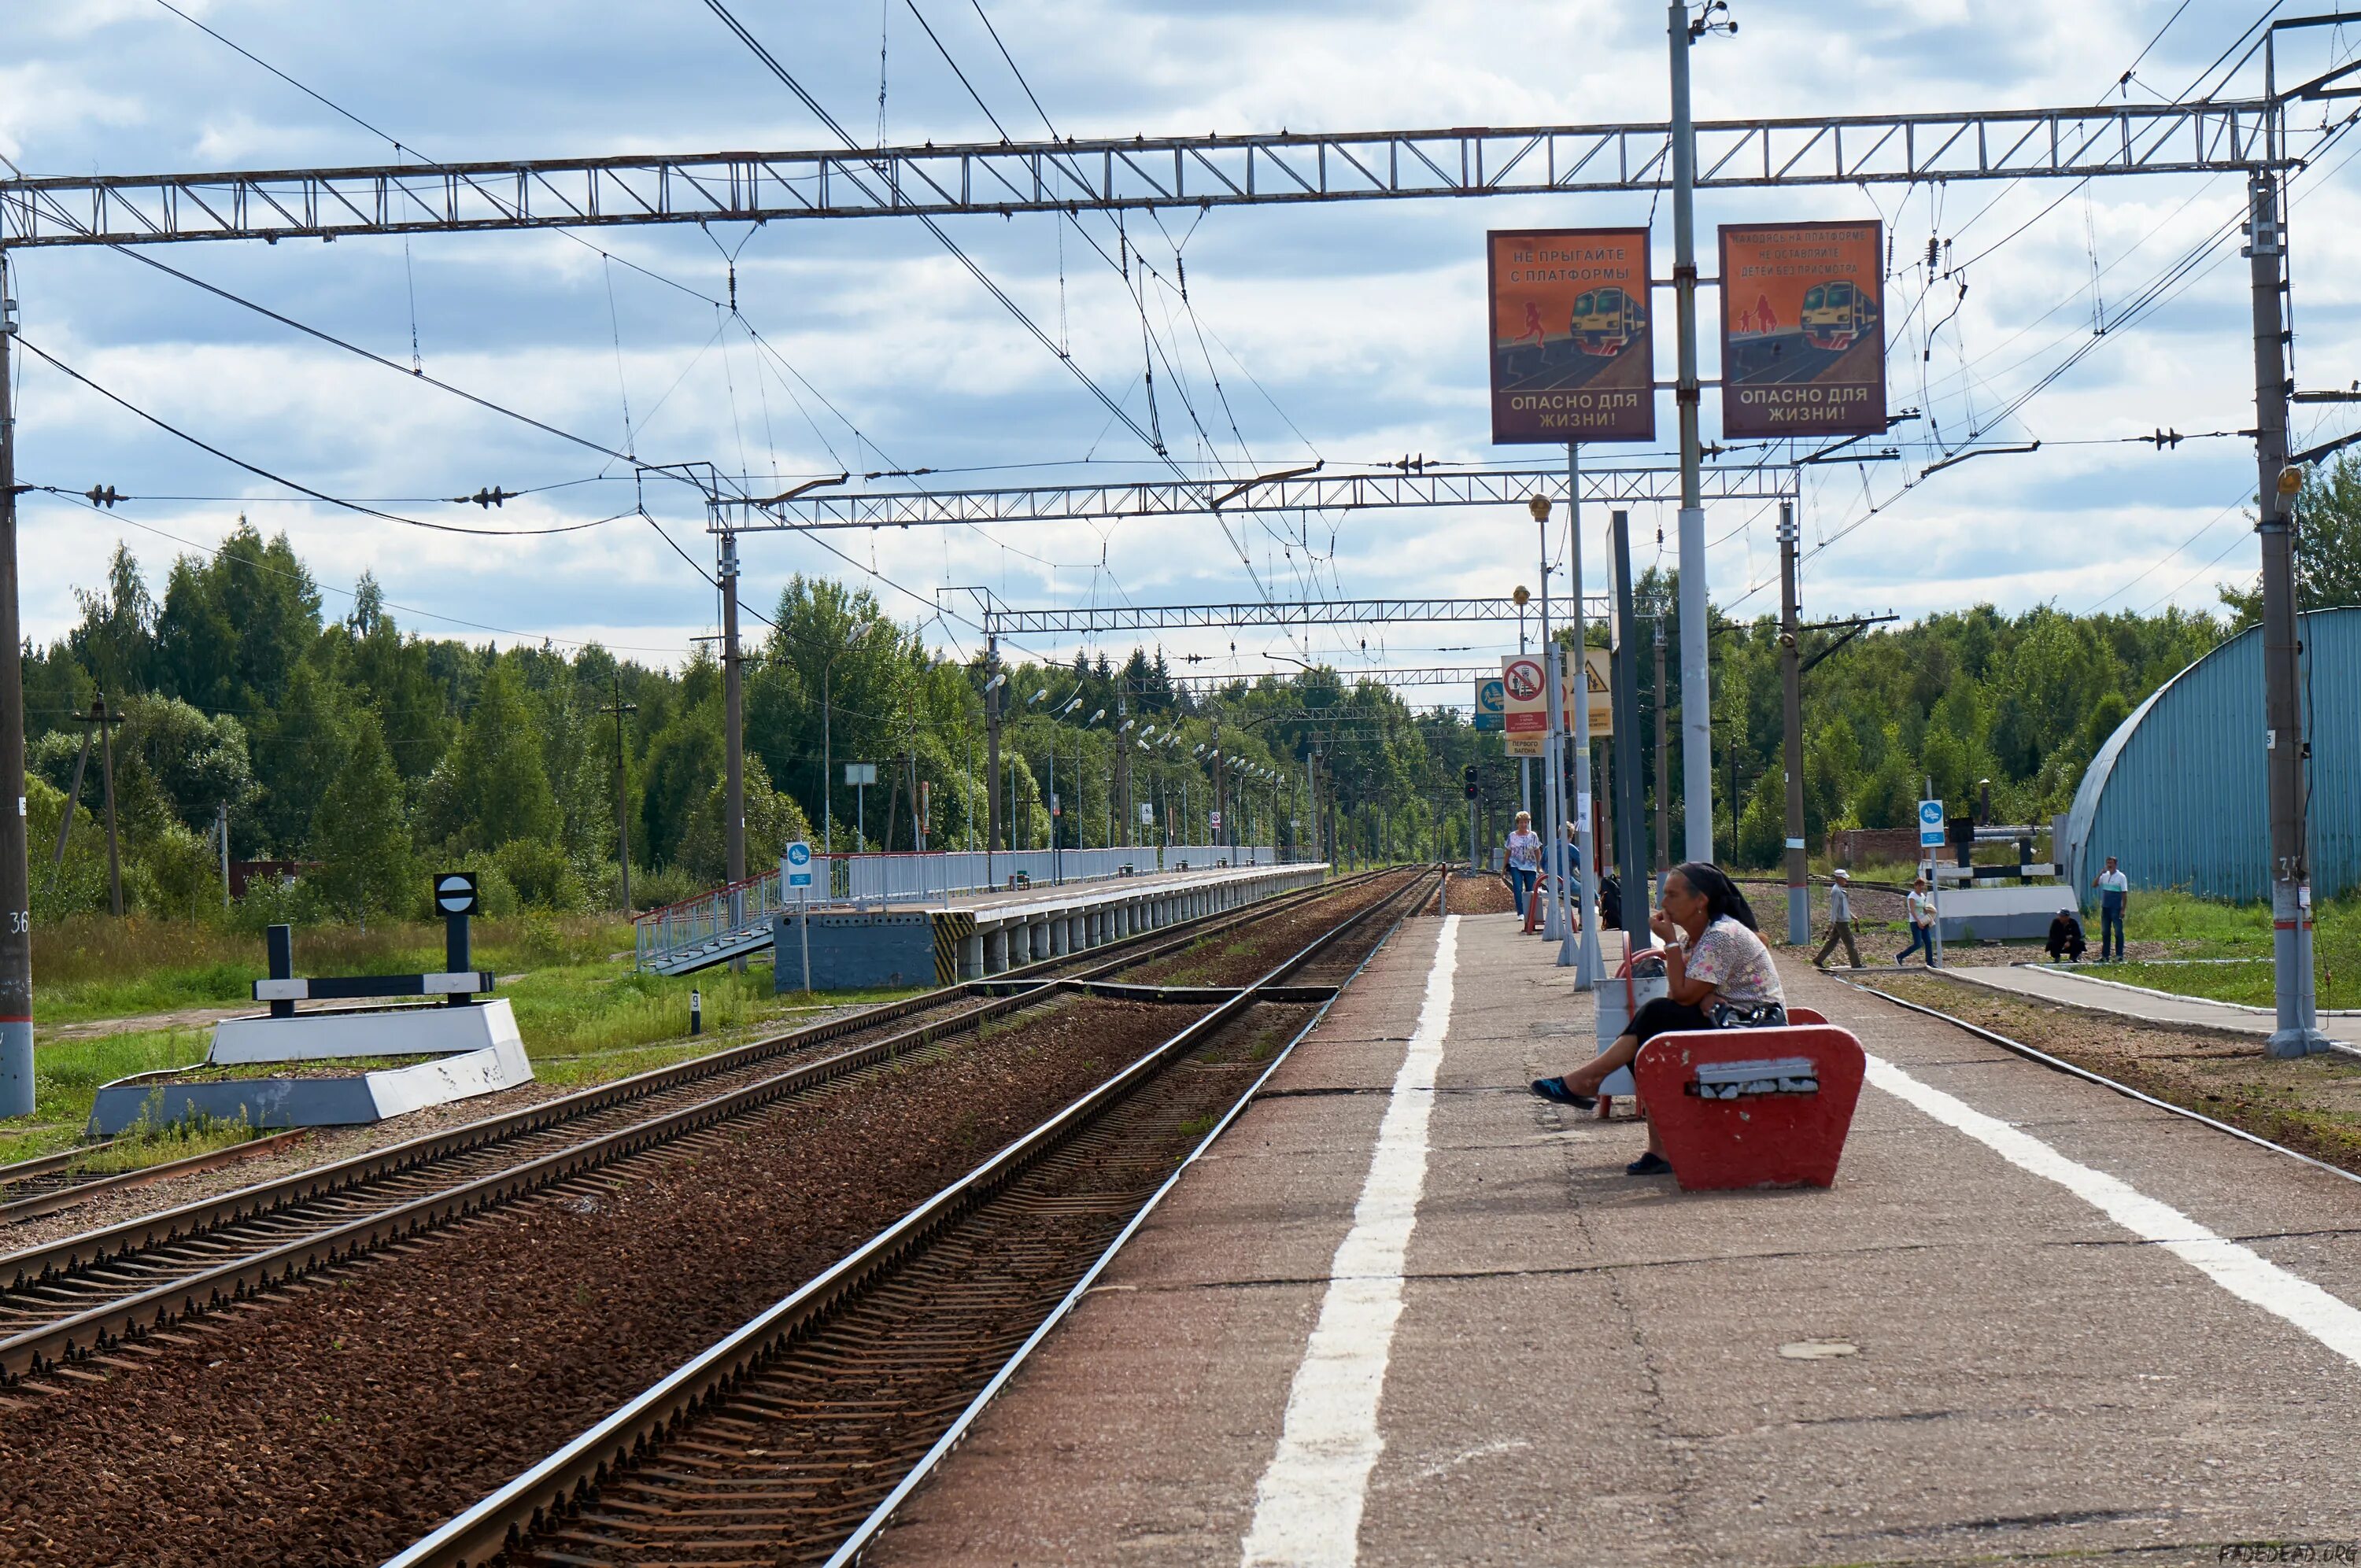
(261, 473)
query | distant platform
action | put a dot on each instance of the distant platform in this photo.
(979, 935)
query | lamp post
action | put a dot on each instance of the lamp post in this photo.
(1553, 855)
(1522, 596)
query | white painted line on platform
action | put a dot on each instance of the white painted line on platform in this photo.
(1307, 1506)
(2240, 1271)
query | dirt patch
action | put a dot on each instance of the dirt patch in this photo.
(1487, 893)
(2311, 1104)
(336, 1423)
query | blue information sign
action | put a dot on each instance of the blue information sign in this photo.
(1491, 705)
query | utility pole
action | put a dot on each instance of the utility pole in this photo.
(107, 719)
(223, 821)
(623, 792)
(15, 867)
(733, 746)
(2286, 749)
(1664, 758)
(1791, 687)
(1696, 696)
(994, 682)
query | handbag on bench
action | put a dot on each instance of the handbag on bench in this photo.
(1748, 1015)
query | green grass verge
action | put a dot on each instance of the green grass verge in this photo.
(583, 1023)
(95, 967)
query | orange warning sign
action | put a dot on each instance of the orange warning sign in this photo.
(1803, 336)
(1572, 355)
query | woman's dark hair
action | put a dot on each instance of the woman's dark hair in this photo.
(1720, 895)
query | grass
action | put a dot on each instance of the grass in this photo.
(95, 967)
(586, 1017)
(2199, 929)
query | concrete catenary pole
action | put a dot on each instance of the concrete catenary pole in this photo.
(1663, 756)
(1697, 694)
(2286, 751)
(1553, 749)
(733, 748)
(15, 870)
(1580, 950)
(1791, 694)
(1626, 678)
(992, 699)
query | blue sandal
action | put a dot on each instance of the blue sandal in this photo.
(1556, 1088)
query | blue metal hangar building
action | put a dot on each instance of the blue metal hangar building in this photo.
(2177, 793)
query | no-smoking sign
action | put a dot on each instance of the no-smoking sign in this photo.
(1525, 685)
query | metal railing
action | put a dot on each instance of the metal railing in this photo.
(740, 911)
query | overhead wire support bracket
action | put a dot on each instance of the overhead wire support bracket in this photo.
(1235, 491)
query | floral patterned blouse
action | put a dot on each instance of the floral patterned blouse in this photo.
(1734, 961)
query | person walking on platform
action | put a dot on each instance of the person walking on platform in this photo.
(1524, 860)
(1922, 924)
(1718, 975)
(2113, 886)
(1840, 920)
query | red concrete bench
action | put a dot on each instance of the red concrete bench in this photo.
(1740, 1108)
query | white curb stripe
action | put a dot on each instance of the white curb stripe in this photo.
(1307, 1506)
(2240, 1271)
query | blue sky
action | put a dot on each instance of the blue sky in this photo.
(1350, 332)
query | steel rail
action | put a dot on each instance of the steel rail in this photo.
(38, 1263)
(88, 1331)
(501, 1519)
(72, 1191)
(854, 1544)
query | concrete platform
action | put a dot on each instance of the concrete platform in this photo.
(976, 936)
(2031, 1318)
(2099, 994)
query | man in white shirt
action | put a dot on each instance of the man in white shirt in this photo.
(1840, 920)
(2112, 885)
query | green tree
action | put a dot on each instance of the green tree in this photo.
(360, 835)
(2327, 545)
(302, 747)
(772, 822)
(492, 788)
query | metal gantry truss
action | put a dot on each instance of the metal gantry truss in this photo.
(1129, 173)
(1295, 490)
(1428, 676)
(1001, 621)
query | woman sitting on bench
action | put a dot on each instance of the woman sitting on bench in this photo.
(1719, 974)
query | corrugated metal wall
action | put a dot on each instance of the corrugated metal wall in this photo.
(2177, 793)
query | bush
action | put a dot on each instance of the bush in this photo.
(666, 884)
(542, 876)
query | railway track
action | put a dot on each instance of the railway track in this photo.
(793, 1439)
(78, 1296)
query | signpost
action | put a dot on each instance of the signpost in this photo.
(1525, 715)
(1491, 705)
(1803, 335)
(796, 871)
(1601, 693)
(456, 901)
(861, 775)
(1572, 355)
(1931, 836)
